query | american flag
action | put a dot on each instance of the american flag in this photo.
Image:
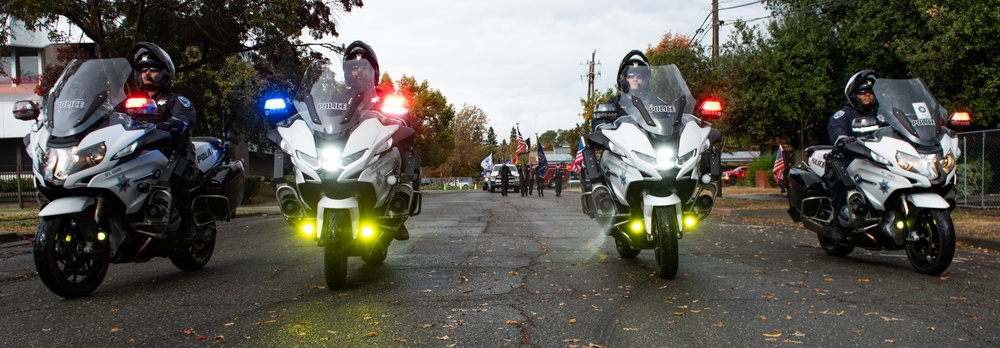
(779, 166)
(577, 164)
(522, 147)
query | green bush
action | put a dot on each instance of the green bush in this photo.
(10, 185)
(766, 163)
(972, 177)
(251, 187)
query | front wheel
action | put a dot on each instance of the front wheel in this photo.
(335, 248)
(665, 232)
(69, 258)
(934, 248)
(194, 256)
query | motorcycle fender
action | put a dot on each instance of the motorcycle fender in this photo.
(928, 200)
(326, 203)
(650, 201)
(67, 205)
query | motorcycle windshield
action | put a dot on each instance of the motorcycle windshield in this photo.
(909, 108)
(330, 104)
(86, 92)
(661, 99)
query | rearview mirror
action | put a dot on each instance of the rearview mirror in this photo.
(26, 110)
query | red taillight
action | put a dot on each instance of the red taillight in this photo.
(139, 102)
(961, 118)
(394, 104)
(711, 109)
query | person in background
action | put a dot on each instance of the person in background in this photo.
(504, 177)
(540, 180)
(558, 177)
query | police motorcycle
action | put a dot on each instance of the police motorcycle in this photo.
(903, 166)
(660, 167)
(356, 174)
(102, 180)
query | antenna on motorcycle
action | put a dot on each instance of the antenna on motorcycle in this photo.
(711, 109)
(960, 120)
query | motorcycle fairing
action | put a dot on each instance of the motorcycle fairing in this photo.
(928, 200)
(622, 168)
(299, 130)
(690, 145)
(67, 205)
(115, 139)
(909, 108)
(123, 179)
(650, 201)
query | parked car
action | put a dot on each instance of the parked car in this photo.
(462, 183)
(513, 184)
(425, 181)
(731, 176)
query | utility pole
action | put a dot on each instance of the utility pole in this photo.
(715, 30)
(591, 75)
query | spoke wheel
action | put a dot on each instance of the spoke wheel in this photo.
(194, 256)
(626, 250)
(934, 248)
(70, 261)
(337, 232)
(665, 232)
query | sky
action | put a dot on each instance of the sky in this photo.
(523, 61)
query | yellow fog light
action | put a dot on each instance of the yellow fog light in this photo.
(690, 221)
(900, 224)
(637, 226)
(308, 229)
(367, 232)
(68, 238)
(102, 236)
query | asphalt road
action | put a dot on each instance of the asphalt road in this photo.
(483, 270)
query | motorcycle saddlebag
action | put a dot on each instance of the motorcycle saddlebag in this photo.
(802, 184)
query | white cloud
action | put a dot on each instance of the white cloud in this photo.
(520, 61)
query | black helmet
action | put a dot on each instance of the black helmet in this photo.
(863, 80)
(147, 54)
(635, 62)
(359, 54)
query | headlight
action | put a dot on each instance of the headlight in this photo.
(947, 163)
(925, 165)
(124, 152)
(665, 158)
(645, 158)
(352, 157)
(685, 158)
(60, 163)
(309, 160)
(878, 158)
(330, 157)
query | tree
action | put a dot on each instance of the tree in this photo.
(548, 139)
(204, 38)
(468, 130)
(432, 119)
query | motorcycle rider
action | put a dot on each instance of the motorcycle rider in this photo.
(153, 72)
(861, 103)
(361, 73)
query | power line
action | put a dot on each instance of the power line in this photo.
(742, 5)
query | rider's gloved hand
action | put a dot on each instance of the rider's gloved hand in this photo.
(173, 125)
(843, 140)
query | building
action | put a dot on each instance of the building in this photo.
(21, 69)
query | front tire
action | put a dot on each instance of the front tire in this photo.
(70, 261)
(335, 248)
(194, 256)
(934, 249)
(665, 230)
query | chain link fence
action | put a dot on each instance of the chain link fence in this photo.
(976, 187)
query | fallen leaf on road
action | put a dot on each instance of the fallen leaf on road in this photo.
(117, 329)
(571, 340)
(763, 317)
(888, 319)
(571, 321)
(444, 338)
(679, 314)
(719, 324)
(630, 329)
(201, 338)
(189, 332)
(512, 322)
(371, 334)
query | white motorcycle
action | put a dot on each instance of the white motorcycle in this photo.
(355, 168)
(103, 181)
(903, 167)
(660, 168)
